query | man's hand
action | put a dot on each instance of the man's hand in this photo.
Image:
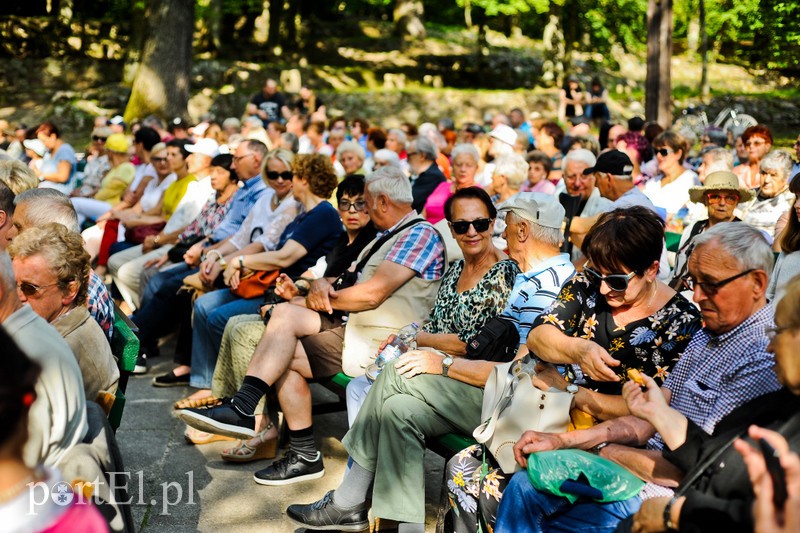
(285, 287)
(534, 441)
(157, 262)
(318, 297)
(649, 404)
(650, 517)
(416, 362)
(595, 361)
(149, 243)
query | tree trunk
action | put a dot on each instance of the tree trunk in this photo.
(274, 31)
(554, 50)
(408, 19)
(162, 81)
(658, 85)
(704, 88)
(291, 24)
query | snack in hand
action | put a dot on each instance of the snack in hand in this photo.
(636, 376)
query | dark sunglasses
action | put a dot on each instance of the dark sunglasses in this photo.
(615, 282)
(98, 138)
(711, 288)
(664, 152)
(158, 159)
(358, 205)
(462, 226)
(29, 289)
(286, 175)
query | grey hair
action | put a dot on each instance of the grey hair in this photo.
(292, 140)
(581, 155)
(779, 160)
(402, 138)
(390, 181)
(7, 279)
(468, 149)
(43, 206)
(743, 242)
(351, 146)
(17, 176)
(514, 168)
(719, 159)
(232, 122)
(426, 148)
(391, 158)
(523, 137)
(549, 236)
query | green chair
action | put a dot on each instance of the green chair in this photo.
(125, 347)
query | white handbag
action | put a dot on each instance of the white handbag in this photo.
(512, 405)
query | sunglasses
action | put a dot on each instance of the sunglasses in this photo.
(460, 227)
(29, 289)
(158, 159)
(98, 138)
(286, 175)
(714, 198)
(711, 288)
(615, 282)
(664, 152)
(358, 206)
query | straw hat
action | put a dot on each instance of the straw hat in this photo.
(720, 181)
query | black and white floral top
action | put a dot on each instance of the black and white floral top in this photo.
(651, 345)
(464, 313)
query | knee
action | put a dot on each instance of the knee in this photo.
(217, 320)
(400, 410)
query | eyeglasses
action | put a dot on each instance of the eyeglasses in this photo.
(774, 332)
(715, 198)
(358, 206)
(158, 159)
(757, 142)
(29, 289)
(460, 227)
(286, 175)
(615, 282)
(664, 152)
(409, 154)
(237, 159)
(98, 138)
(711, 288)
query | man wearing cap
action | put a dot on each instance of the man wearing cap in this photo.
(117, 124)
(721, 194)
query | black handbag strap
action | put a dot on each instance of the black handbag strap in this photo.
(380, 242)
(707, 463)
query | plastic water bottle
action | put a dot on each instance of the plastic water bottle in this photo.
(405, 340)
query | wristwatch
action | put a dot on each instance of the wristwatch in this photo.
(241, 262)
(446, 362)
(668, 523)
(572, 389)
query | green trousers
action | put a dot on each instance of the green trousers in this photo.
(388, 436)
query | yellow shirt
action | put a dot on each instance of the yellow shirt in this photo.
(174, 193)
(114, 184)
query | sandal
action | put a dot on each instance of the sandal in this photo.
(195, 436)
(244, 453)
(196, 403)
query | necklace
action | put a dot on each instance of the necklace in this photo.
(16, 489)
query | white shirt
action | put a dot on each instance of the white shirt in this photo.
(672, 196)
(191, 204)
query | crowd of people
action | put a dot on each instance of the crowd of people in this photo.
(290, 245)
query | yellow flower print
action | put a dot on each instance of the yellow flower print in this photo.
(553, 319)
(661, 372)
(616, 345)
(458, 479)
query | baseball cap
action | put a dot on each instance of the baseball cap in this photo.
(543, 209)
(206, 146)
(504, 134)
(612, 162)
(117, 120)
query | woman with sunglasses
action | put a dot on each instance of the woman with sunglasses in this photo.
(615, 316)
(670, 189)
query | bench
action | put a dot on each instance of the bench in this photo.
(125, 347)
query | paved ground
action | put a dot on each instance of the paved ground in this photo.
(179, 487)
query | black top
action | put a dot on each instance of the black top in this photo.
(271, 105)
(424, 185)
(343, 254)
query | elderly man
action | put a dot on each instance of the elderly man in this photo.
(425, 175)
(52, 272)
(397, 286)
(57, 420)
(533, 233)
(38, 207)
(725, 365)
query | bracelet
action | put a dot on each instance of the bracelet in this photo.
(596, 449)
(669, 525)
(219, 255)
(155, 239)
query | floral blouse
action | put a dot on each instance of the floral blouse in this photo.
(651, 345)
(465, 313)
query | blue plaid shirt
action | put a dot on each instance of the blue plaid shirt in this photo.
(100, 305)
(241, 204)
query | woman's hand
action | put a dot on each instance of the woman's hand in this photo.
(650, 517)
(547, 377)
(285, 287)
(535, 441)
(416, 362)
(210, 270)
(649, 404)
(232, 275)
(595, 361)
(157, 262)
(193, 254)
(150, 243)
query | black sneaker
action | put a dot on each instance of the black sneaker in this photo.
(326, 515)
(171, 380)
(141, 365)
(291, 468)
(224, 419)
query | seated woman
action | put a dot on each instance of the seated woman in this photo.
(773, 198)
(787, 266)
(466, 162)
(539, 167)
(615, 312)
(711, 497)
(243, 332)
(670, 189)
(311, 235)
(52, 272)
(443, 392)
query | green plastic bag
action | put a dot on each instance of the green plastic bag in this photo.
(548, 470)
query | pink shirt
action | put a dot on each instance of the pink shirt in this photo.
(544, 186)
(434, 205)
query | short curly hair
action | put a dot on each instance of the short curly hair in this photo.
(318, 170)
(62, 249)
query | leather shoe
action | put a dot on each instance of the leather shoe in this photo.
(291, 468)
(326, 515)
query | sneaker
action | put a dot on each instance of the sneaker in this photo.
(141, 365)
(326, 515)
(291, 468)
(224, 419)
(171, 380)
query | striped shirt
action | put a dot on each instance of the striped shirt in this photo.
(535, 290)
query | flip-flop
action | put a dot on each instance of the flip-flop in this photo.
(196, 403)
